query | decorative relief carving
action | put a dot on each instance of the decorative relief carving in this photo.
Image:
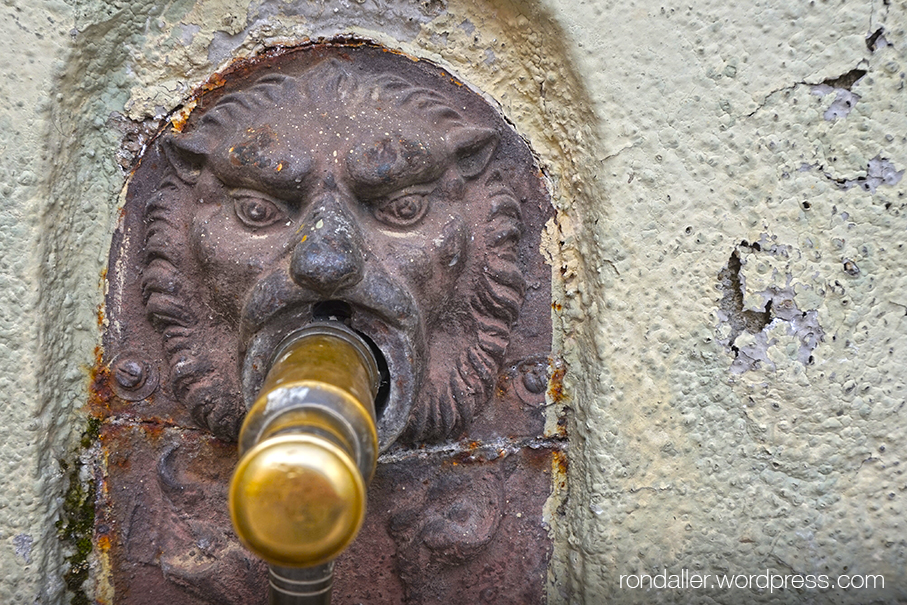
(339, 184)
(341, 181)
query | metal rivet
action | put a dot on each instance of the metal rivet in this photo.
(129, 374)
(133, 378)
(535, 379)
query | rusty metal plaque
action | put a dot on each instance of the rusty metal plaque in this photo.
(333, 180)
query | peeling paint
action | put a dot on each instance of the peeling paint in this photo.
(879, 172)
(843, 104)
(23, 544)
(759, 310)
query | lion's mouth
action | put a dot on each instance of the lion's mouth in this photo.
(338, 310)
(332, 310)
(395, 351)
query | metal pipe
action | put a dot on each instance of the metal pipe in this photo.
(308, 449)
(301, 585)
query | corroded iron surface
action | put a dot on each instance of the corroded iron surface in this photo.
(348, 181)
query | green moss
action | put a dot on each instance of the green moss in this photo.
(92, 432)
(76, 526)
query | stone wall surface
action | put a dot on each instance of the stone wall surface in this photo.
(729, 298)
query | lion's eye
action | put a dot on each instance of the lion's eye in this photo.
(402, 211)
(256, 212)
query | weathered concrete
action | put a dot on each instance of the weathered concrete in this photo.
(712, 432)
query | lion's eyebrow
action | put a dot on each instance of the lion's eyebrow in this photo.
(280, 172)
(380, 173)
(292, 171)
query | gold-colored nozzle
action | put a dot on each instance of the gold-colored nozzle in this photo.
(297, 500)
(308, 449)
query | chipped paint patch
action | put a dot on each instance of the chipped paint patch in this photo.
(758, 309)
(880, 171)
(23, 544)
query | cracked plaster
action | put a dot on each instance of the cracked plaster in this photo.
(671, 133)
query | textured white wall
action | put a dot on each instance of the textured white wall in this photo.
(723, 123)
(46, 334)
(713, 432)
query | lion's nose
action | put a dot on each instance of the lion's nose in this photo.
(329, 257)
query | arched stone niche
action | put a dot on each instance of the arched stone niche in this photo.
(151, 62)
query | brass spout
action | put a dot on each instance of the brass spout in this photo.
(308, 449)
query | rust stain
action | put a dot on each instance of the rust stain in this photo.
(100, 394)
(103, 542)
(154, 429)
(559, 466)
(475, 453)
(559, 458)
(397, 52)
(557, 306)
(556, 383)
(503, 385)
(181, 116)
(214, 82)
(112, 439)
(102, 319)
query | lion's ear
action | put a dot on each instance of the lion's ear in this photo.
(473, 148)
(186, 154)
